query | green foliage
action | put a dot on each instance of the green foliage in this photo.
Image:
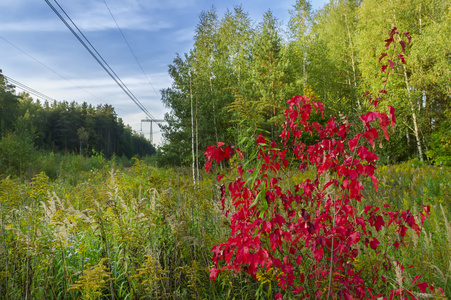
(9, 106)
(440, 145)
(16, 152)
(93, 281)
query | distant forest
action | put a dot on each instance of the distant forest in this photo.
(235, 81)
(64, 127)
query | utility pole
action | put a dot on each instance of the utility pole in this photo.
(151, 121)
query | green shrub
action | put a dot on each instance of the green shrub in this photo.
(440, 145)
(16, 153)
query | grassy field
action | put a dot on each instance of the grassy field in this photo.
(146, 233)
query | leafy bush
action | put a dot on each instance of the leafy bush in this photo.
(440, 145)
(16, 153)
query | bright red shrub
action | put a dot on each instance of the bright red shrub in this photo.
(311, 235)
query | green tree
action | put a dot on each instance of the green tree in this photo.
(9, 105)
(16, 152)
(299, 28)
(333, 58)
(235, 41)
(268, 84)
(83, 136)
(176, 131)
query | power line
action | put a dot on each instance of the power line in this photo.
(27, 88)
(118, 81)
(97, 57)
(129, 47)
(104, 65)
(50, 69)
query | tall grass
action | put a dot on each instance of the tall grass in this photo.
(105, 232)
(408, 186)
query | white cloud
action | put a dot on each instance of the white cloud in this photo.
(184, 35)
(30, 25)
(132, 15)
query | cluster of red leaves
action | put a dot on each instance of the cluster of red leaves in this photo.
(310, 236)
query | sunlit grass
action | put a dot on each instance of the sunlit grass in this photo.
(143, 232)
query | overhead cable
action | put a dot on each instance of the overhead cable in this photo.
(48, 68)
(129, 47)
(97, 56)
(28, 89)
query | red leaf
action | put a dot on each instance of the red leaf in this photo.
(388, 42)
(393, 31)
(209, 152)
(371, 135)
(422, 286)
(401, 57)
(415, 279)
(208, 165)
(391, 110)
(353, 142)
(367, 208)
(382, 56)
(240, 153)
(368, 118)
(391, 63)
(364, 153)
(379, 223)
(318, 105)
(374, 243)
(355, 237)
(384, 122)
(375, 181)
(407, 35)
(266, 226)
(342, 131)
(214, 273)
(375, 103)
(261, 139)
(240, 170)
(403, 47)
(298, 289)
(318, 253)
(402, 230)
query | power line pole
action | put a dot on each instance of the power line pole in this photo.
(151, 121)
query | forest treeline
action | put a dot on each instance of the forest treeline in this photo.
(235, 81)
(27, 125)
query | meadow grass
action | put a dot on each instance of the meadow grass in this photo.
(109, 232)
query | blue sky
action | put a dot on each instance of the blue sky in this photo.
(62, 68)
